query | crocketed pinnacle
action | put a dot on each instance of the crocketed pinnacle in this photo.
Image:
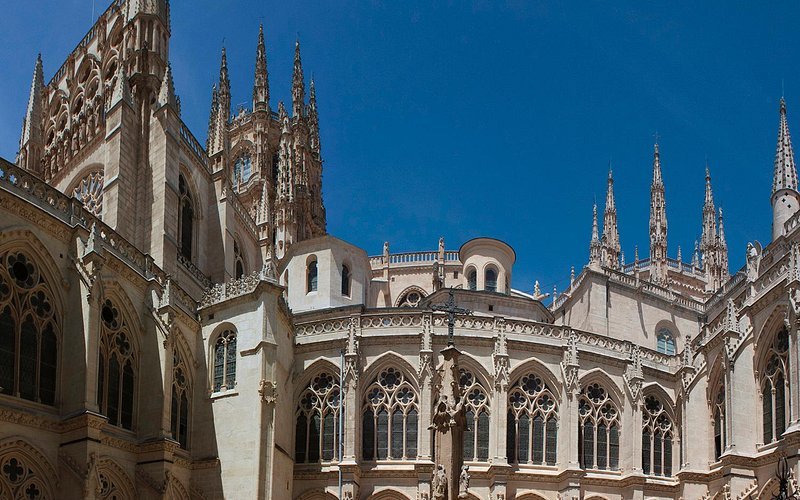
(785, 169)
(298, 84)
(261, 79)
(709, 234)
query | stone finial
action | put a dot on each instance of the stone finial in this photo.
(122, 89)
(166, 95)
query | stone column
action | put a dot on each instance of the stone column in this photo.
(793, 325)
(568, 418)
(425, 376)
(350, 386)
(448, 424)
(500, 395)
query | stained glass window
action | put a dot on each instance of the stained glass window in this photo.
(179, 417)
(476, 435)
(224, 361)
(598, 429)
(116, 374)
(29, 329)
(395, 437)
(317, 420)
(532, 422)
(657, 432)
(774, 385)
(666, 342)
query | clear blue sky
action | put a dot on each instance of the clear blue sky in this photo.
(488, 118)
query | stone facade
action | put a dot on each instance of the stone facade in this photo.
(176, 323)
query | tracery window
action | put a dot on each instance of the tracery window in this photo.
(186, 219)
(411, 298)
(774, 387)
(657, 438)
(242, 168)
(20, 480)
(116, 371)
(472, 279)
(718, 412)
(29, 330)
(224, 362)
(181, 392)
(532, 436)
(238, 260)
(665, 342)
(598, 429)
(312, 277)
(345, 281)
(316, 421)
(490, 280)
(476, 405)
(390, 416)
(90, 192)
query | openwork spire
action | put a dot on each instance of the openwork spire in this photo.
(261, 80)
(708, 237)
(611, 244)
(298, 84)
(785, 169)
(658, 224)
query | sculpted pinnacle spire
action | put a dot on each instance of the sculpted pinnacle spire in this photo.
(610, 243)
(595, 247)
(30, 142)
(785, 198)
(261, 80)
(658, 224)
(298, 84)
(224, 81)
(166, 96)
(785, 169)
(709, 234)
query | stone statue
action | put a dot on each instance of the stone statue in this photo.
(439, 483)
(794, 302)
(753, 259)
(463, 482)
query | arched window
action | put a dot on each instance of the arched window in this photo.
(316, 421)
(29, 330)
(666, 342)
(411, 298)
(181, 396)
(242, 169)
(598, 429)
(490, 280)
(224, 362)
(345, 281)
(116, 373)
(186, 219)
(774, 387)
(718, 411)
(23, 474)
(657, 438)
(312, 276)
(238, 260)
(472, 279)
(90, 192)
(532, 422)
(476, 404)
(390, 416)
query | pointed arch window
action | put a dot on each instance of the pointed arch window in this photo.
(718, 412)
(312, 276)
(532, 422)
(657, 438)
(21, 477)
(116, 371)
(774, 387)
(29, 331)
(666, 342)
(389, 418)
(224, 361)
(598, 429)
(490, 280)
(316, 421)
(186, 219)
(476, 404)
(472, 279)
(238, 260)
(411, 298)
(345, 281)
(181, 397)
(242, 169)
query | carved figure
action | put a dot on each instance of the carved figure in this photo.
(753, 258)
(794, 302)
(463, 482)
(439, 483)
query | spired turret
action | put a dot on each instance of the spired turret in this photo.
(611, 247)
(658, 224)
(261, 79)
(785, 198)
(30, 142)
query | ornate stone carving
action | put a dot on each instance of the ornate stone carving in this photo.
(753, 258)
(633, 374)
(268, 390)
(463, 482)
(569, 364)
(439, 483)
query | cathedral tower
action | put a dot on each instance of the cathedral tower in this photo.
(658, 225)
(785, 198)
